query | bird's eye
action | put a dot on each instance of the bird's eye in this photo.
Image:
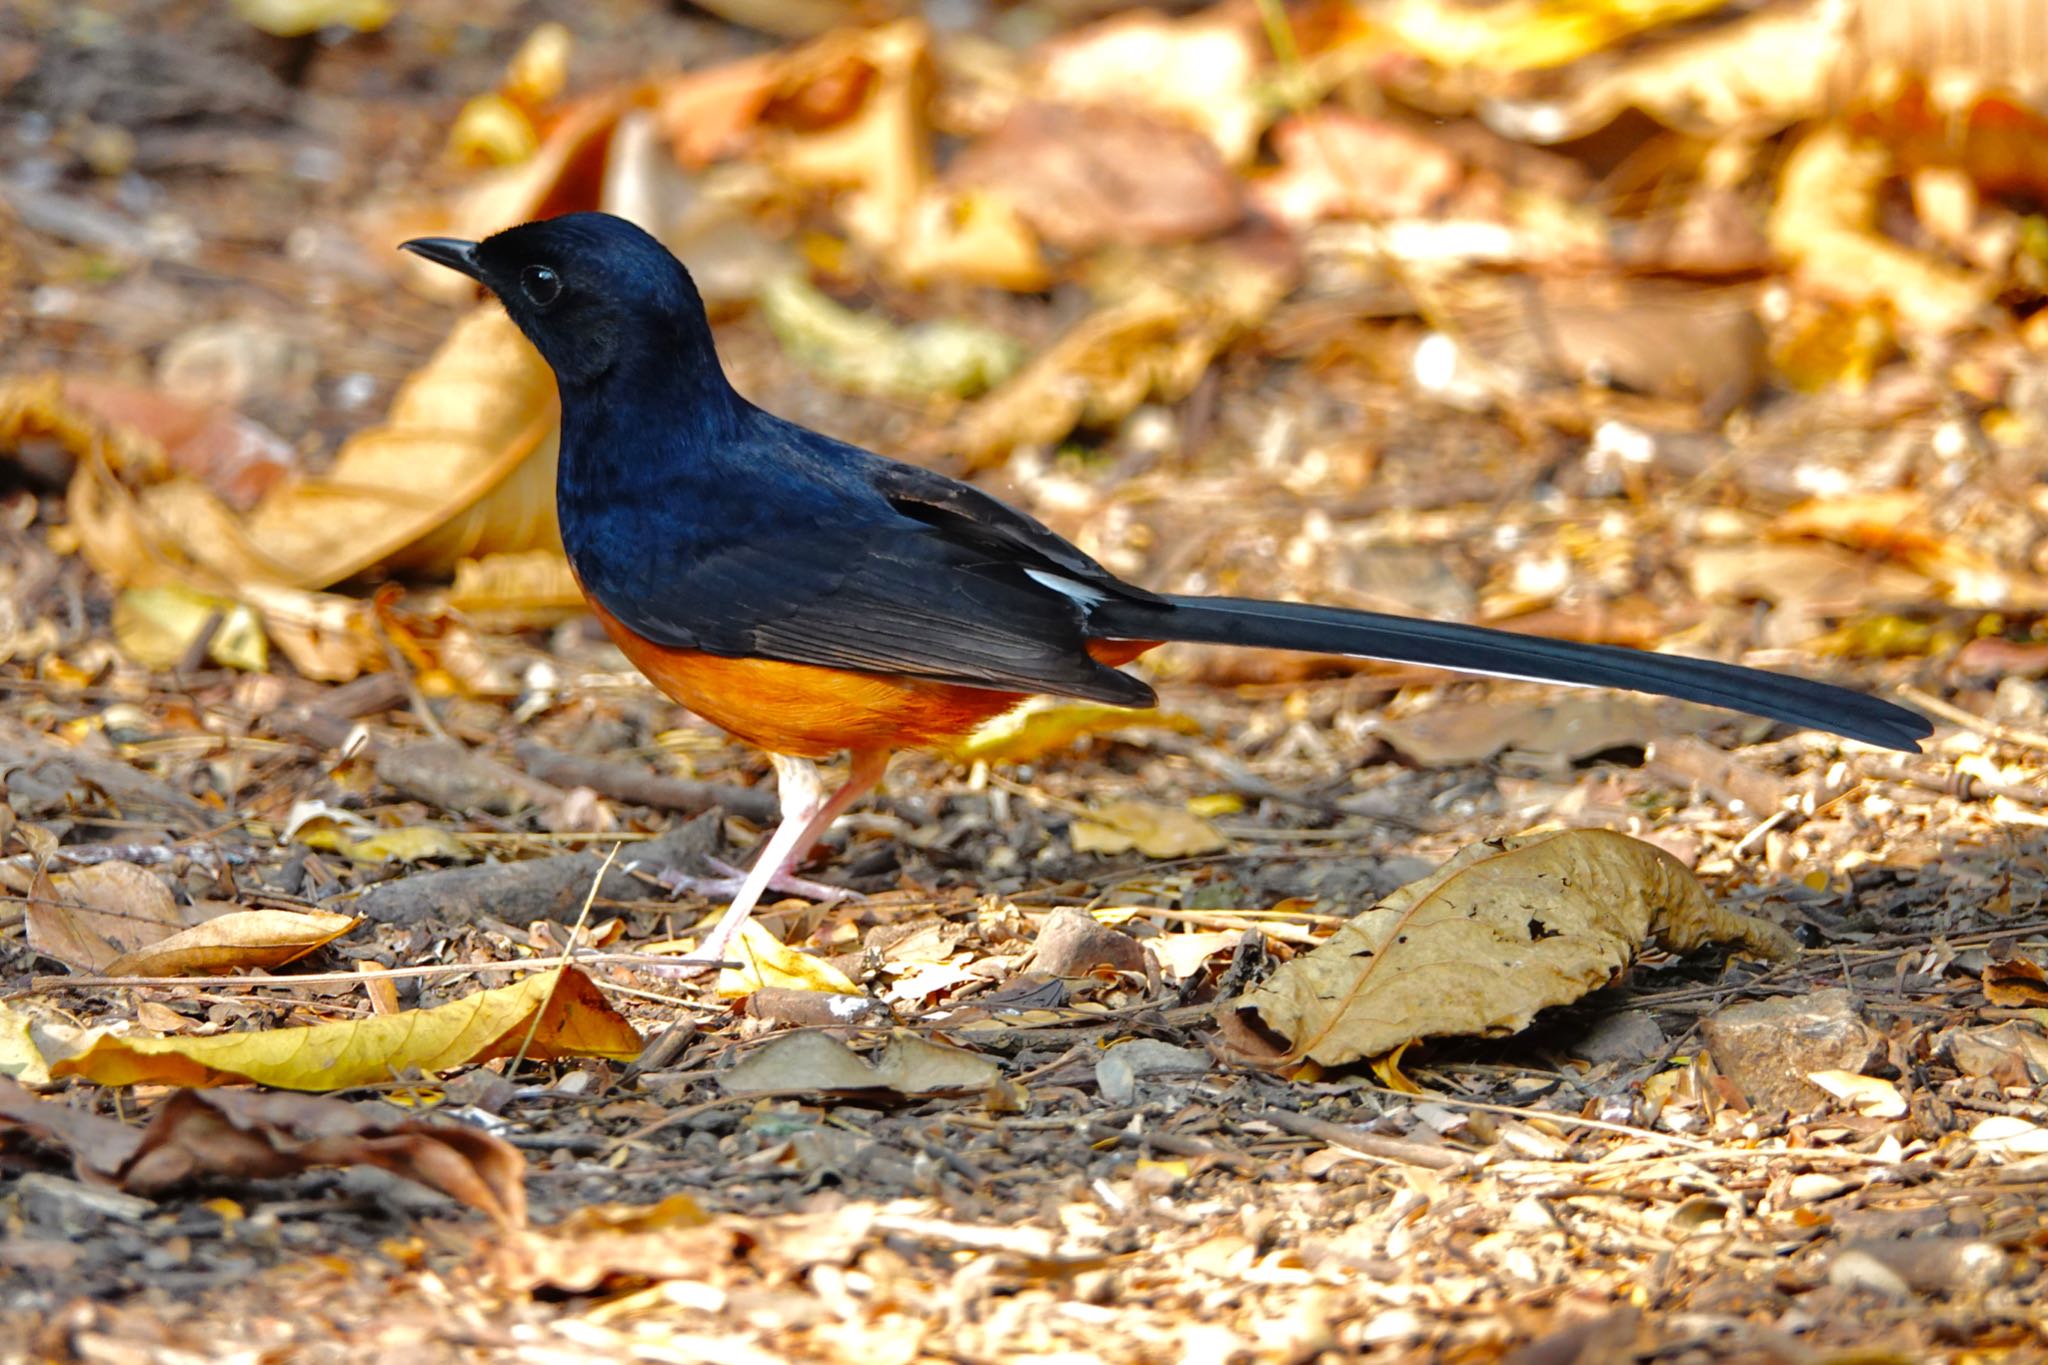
(540, 284)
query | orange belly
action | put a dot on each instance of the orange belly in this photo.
(812, 712)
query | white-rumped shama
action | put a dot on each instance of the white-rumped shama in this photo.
(809, 596)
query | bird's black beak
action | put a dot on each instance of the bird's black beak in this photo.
(452, 252)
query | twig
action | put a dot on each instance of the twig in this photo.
(1956, 715)
(1398, 1150)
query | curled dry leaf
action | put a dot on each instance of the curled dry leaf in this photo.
(228, 1135)
(462, 466)
(574, 1021)
(1500, 932)
(240, 938)
(811, 1062)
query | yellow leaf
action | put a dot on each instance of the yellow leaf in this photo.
(296, 18)
(1179, 1170)
(20, 1058)
(240, 938)
(1388, 1069)
(157, 628)
(1215, 804)
(414, 843)
(1047, 725)
(575, 1021)
(491, 130)
(1526, 35)
(1154, 830)
(771, 962)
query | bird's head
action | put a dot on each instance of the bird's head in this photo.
(590, 290)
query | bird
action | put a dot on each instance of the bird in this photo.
(812, 597)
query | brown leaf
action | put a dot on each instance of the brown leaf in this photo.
(1336, 164)
(235, 457)
(1572, 729)
(1500, 932)
(2016, 983)
(240, 938)
(247, 1136)
(1087, 178)
(92, 916)
(811, 1063)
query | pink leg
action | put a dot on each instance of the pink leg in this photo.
(806, 814)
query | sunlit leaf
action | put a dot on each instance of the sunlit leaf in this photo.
(574, 1021)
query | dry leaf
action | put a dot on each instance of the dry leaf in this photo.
(1816, 580)
(507, 592)
(1154, 335)
(1825, 222)
(239, 1136)
(2015, 983)
(1573, 729)
(1088, 178)
(575, 1021)
(1154, 830)
(241, 938)
(865, 353)
(1048, 725)
(463, 465)
(1500, 932)
(1202, 71)
(811, 1063)
(235, 457)
(90, 917)
(1526, 35)
(158, 627)
(297, 18)
(1871, 1096)
(1337, 164)
(848, 115)
(771, 962)
(1182, 955)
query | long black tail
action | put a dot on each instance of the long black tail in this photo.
(1475, 649)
